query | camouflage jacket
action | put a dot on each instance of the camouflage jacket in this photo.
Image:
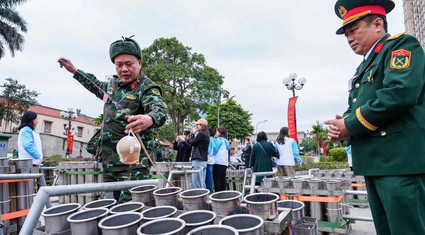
(140, 97)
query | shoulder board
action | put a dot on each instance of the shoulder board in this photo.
(395, 36)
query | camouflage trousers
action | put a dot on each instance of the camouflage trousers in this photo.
(114, 170)
(133, 174)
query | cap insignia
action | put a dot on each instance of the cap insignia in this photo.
(342, 11)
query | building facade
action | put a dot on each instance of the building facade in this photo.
(414, 19)
(52, 128)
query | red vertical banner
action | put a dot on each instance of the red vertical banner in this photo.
(292, 122)
(70, 141)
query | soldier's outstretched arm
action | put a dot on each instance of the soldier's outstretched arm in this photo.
(63, 62)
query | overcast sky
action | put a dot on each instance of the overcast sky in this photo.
(253, 44)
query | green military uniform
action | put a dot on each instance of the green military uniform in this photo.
(158, 155)
(141, 96)
(386, 121)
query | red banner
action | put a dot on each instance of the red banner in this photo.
(70, 142)
(292, 122)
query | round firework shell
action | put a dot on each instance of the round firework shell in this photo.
(128, 148)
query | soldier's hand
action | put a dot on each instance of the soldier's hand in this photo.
(138, 123)
(337, 130)
(63, 62)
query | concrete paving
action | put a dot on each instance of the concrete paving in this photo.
(362, 227)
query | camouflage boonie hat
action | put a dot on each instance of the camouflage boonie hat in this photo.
(352, 10)
(124, 46)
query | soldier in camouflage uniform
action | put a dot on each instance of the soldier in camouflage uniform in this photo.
(132, 101)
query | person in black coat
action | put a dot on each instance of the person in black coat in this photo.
(199, 141)
(183, 149)
(246, 152)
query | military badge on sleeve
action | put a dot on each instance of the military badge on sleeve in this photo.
(155, 91)
(400, 59)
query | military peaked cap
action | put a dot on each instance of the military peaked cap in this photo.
(352, 10)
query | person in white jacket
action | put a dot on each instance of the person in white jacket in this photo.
(29, 142)
(221, 155)
(209, 180)
(288, 154)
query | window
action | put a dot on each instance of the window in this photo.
(79, 131)
(47, 127)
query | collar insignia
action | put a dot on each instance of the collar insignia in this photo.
(134, 84)
(131, 97)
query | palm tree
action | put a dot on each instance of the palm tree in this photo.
(98, 121)
(11, 26)
(320, 132)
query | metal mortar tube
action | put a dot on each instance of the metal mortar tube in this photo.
(21, 199)
(44, 194)
(334, 212)
(258, 174)
(4, 199)
(184, 172)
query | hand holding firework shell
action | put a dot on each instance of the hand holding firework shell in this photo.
(128, 148)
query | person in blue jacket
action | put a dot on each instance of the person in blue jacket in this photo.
(221, 155)
(210, 162)
(29, 142)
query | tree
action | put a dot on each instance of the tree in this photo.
(189, 85)
(165, 132)
(308, 143)
(15, 99)
(98, 121)
(320, 133)
(233, 117)
(11, 26)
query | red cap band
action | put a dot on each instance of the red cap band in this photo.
(373, 9)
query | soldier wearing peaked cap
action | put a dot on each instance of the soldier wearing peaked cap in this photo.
(384, 119)
(131, 101)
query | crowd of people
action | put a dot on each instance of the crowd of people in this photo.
(383, 121)
(264, 154)
(209, 153)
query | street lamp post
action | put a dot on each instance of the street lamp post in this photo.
(218, 112)
(256, 126)
(290, 84)
(69, 116)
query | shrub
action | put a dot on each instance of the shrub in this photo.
(330, 165)
(54, 159)
(338, 154)
(307, 160)
(322, 166)
(324, 159)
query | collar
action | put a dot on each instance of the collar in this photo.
(371, 49)
(132, 84)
